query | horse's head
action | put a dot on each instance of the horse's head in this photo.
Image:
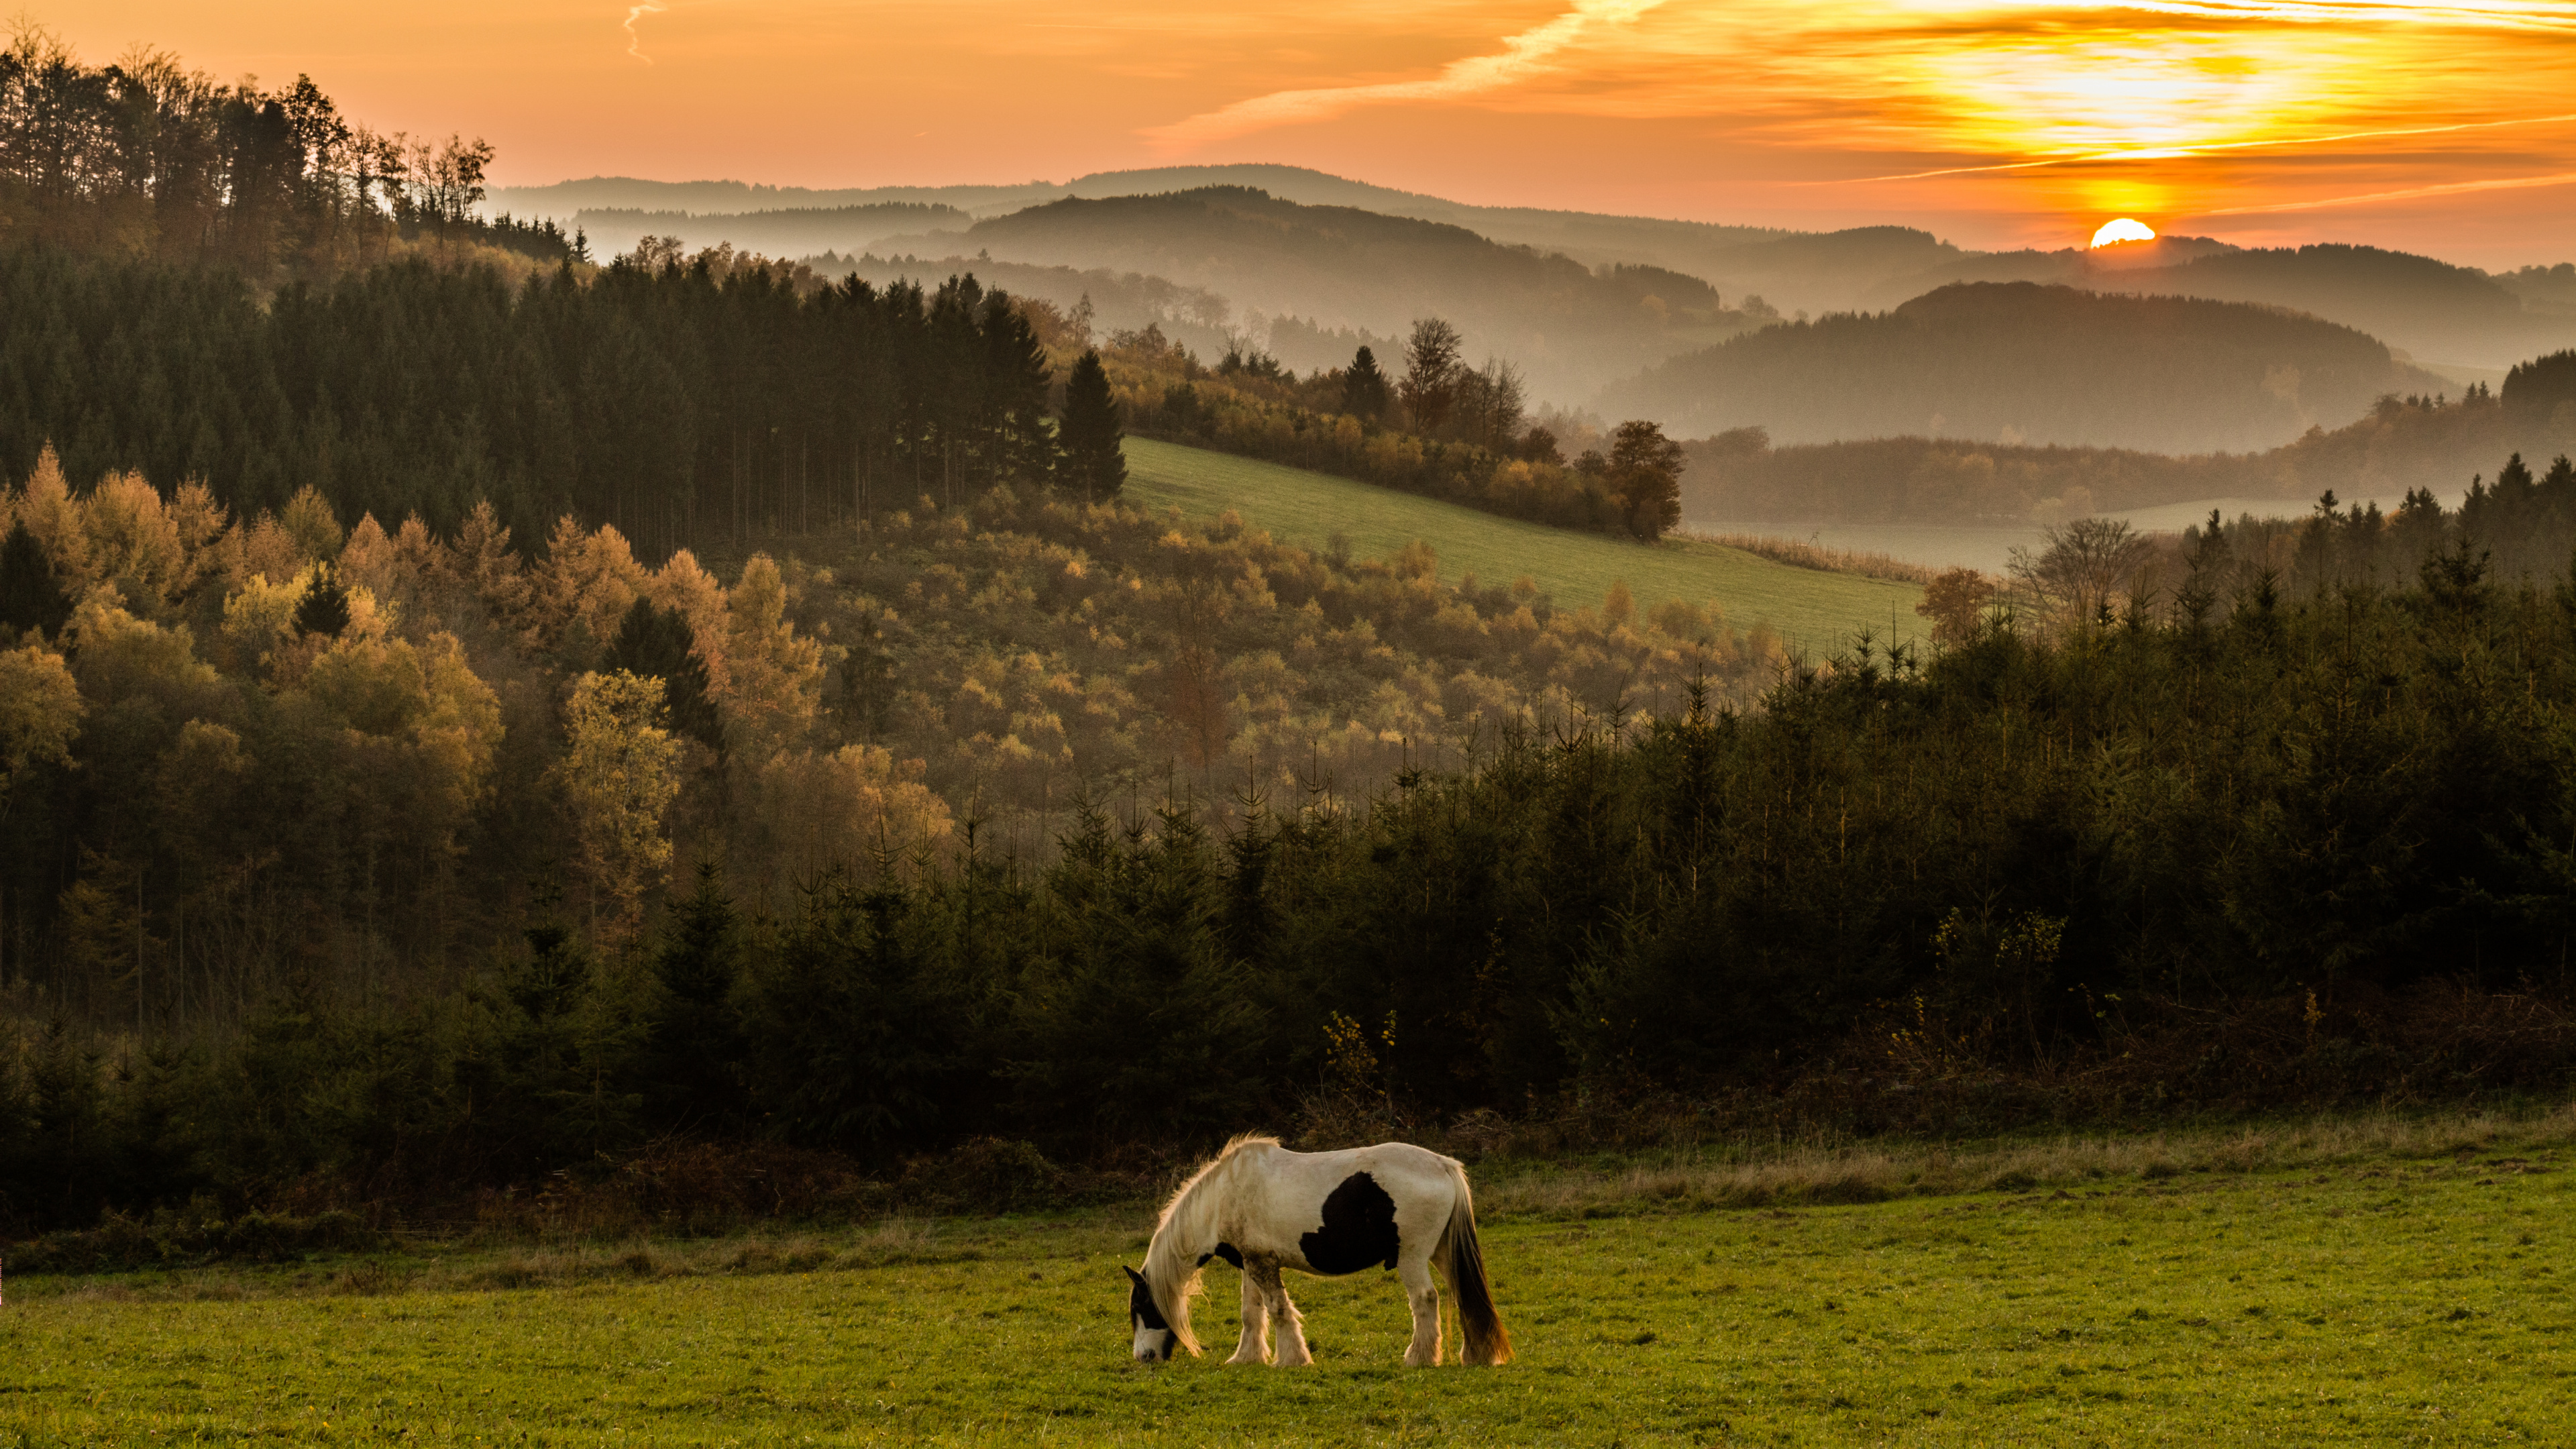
(1154, 1337)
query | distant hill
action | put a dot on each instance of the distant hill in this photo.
(2017, 362)
(793, 232)
(1570, 327)
(2429, 309)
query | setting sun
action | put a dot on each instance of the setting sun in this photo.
(2123, 230)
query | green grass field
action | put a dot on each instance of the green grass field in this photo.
(1811, 609)
(2371, 1298)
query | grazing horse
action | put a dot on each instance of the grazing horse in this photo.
(1263, 1208)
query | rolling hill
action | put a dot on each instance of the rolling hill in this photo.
(1813, 610)
(2015, 362)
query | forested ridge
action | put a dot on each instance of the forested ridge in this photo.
(2246, 845)
(2429, 442)
(2015, 362)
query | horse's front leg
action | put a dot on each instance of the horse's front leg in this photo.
(1293, 1352)
(1424, 1297)
(1255, 1345)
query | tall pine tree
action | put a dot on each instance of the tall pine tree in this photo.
(1089, 433)
(655, 643)
(29, 597)
(1365, 389)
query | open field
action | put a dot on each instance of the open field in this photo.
(1811, 609)
(2335, 1287)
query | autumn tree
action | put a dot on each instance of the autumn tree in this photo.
(1644, 473)
(620, 772)
(1088, 433)
(1954, 601)
(40, 711)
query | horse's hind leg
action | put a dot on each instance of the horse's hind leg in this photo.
(1424, 1296)
(1255, 1347)
(1293, 1352)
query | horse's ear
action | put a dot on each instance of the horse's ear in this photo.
(1133, 1275)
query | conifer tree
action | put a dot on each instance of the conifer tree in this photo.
(1365, 389)
(29, 597)
(657, 643)
(1089, 433)
(325, 609)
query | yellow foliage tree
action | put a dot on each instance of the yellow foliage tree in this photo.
(40, 711)
(810, 811)
(589, 579)
(620, 772)
(775, 683)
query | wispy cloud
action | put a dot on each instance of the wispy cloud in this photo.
(2411, 193)
(635, 38)
(1523, 57)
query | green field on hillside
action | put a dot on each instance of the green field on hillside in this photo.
(1817, 611)
(2395, 1298)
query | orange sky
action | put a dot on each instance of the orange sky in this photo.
(2260, 121)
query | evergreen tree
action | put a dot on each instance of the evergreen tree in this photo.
(693, 1053)
(29, 597)
(657, 643)
(1089, 433)
(325, 609)
(1365, 389)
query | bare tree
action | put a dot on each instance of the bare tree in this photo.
(2086, 565)
(1430, 386)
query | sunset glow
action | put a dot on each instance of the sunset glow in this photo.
(1996, 122)
(2123, 230)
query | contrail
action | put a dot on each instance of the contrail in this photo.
(2517, 183)
(2168, 153)
(634, 39)
(1523, 55)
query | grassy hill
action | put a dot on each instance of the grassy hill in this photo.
(1811, 609)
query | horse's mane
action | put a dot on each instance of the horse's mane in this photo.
(1170, 1272)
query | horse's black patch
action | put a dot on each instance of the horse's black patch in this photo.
(1140, 1302)
(1359, 1228)
(1225, 1251)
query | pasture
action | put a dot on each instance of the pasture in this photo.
(2324, 1295)
(1809, 608)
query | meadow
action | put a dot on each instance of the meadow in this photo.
(1809, 608)
(2339, 1286)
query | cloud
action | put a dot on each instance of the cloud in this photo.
(1523, 56)
(634, 38)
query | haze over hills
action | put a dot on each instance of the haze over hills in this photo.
(1569, 327)
(2017, 362)
(1321, 263)
(792, 232)
(2432, 310)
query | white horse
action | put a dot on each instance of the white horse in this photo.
(1262, 1208)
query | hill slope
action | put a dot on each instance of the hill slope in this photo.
(1812, 610)
(2429, 308)
(2018, 362)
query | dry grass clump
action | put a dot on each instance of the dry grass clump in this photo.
(1792, 552)
(1816, 1174)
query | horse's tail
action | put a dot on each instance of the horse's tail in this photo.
(1464, 1263)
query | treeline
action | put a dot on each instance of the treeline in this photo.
(2035, 856)
(243, 749)
(2427, 442)
(676, 399)
(146, 158)
(1439, 427)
